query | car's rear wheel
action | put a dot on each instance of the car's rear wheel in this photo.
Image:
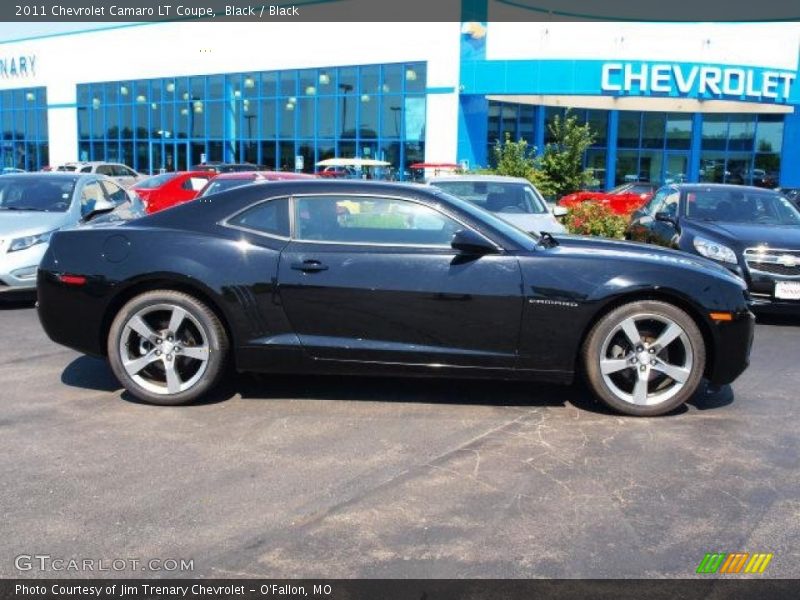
(167, 347)
(645, 358)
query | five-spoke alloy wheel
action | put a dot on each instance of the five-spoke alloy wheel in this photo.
(645, 358)
(167, 347)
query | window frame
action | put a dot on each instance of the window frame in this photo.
(292, 225)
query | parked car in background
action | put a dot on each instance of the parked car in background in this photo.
(223, 167)
(9, 170)
(417, 282)
(513, 199)
(228, 181)
(622, 200)
(120, 173)
(793, 194)
(168, 189)
(34, 205)
(752, 231)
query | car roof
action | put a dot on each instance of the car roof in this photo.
(51, 175)
(694, 187)
(269, 175)
(468, 178)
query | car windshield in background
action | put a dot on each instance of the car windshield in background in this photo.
(69, 168)
(157, 181)
(496, 196)
(42, 194)
(222, 185)
(741, 206)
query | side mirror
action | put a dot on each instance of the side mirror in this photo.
(666, 217)
(98, 207)
(559, 211)
(470, 243)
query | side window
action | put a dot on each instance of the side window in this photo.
(670, 204)
(194, 184)
(114, 193)
(105, 170)
(270, 217)
(371, 220)
(86, 169)
(90, 195)
(123, 171)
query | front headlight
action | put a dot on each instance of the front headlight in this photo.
(28, 241)
(715, 251)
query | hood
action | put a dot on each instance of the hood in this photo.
(533, 222)
(746, 235)
(648, 253)
(20, 223)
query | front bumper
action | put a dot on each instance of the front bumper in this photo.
(18, 269)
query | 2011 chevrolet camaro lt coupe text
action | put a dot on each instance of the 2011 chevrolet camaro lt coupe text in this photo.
(373, 278)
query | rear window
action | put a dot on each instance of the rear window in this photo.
(157, 181)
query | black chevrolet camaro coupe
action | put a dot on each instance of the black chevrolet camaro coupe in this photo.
(373, 278)
(751, 231)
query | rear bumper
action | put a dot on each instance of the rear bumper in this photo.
(734, 340)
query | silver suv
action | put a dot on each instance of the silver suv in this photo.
(125, 176)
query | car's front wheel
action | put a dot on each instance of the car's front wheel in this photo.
(167, 347)
(645, 358)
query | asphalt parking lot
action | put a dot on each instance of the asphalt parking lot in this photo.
(360, 477)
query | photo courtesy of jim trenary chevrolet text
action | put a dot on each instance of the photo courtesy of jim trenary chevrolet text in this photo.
(367, 299)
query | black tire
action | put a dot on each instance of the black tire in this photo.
(200, 324)
(691, 347)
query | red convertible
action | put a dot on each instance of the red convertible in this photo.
(622, 200)
(168, 189)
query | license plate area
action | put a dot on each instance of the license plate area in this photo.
(787, 290)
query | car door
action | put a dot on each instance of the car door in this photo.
(643, 224)
(374, 279)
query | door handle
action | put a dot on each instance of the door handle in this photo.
(309, 266)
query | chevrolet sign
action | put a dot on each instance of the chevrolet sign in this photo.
(696, 80)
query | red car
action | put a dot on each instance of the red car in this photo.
(622, 200)
(227, 181)
(168, 189)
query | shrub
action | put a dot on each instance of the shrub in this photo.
(593, 218)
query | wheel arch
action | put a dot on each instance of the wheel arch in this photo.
(167, 283)
(662, 295)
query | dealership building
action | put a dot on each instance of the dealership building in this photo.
(666, 101)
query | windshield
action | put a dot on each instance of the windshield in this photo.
(67, 168)
(43, 194)
(221, 185)
(740, 206)
(507, 197)
(157, 181)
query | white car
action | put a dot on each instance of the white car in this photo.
(125, 176)
(513, 199)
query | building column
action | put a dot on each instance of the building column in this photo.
(539, 129)
(612, 135)
(695, 147)
(473, 130)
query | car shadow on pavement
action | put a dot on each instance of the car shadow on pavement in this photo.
(778, 319)
(94, 374)
(18, 302)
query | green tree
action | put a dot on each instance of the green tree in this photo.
(514, 159)
(560, 168)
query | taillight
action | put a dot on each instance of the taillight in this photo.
(72, 279)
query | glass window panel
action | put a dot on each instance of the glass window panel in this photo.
(347, 149)
(769, 133)
(629, 126)
(305, 117)
(269, 84)
(508, 122)
(526, 122)
(738, 168)
(249, 125)
(286, 155)
(325, 151)
(370, 80)
(182, 90)
(596, 165)
(766, 170)
(142, 114)
(268, 217)
(111, 92)
(677, 166)
(268, 154)
(182, 120)
(308, 83)
(326, 82)
(549, 118)
(741, 132)
(216, 87)
(414, 152)
(653, 129)
(650, 167)
(348, 80)
(391, 116)
(249, 85)
(392, 79)
(141, 91)
(326, 117)
(215, 112)
(347, 115)
(679, 131)
(368, 116)
(627, 166)
(598, 121)
(197, 119)
(715, 131)
(415, 118)
(112, 122)
(216, 150)
(268, 118)
(712, 166)
(494, 120)
(286, 119)
(288, 83)
(306, 150)
(415, 77)
(83, 95)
